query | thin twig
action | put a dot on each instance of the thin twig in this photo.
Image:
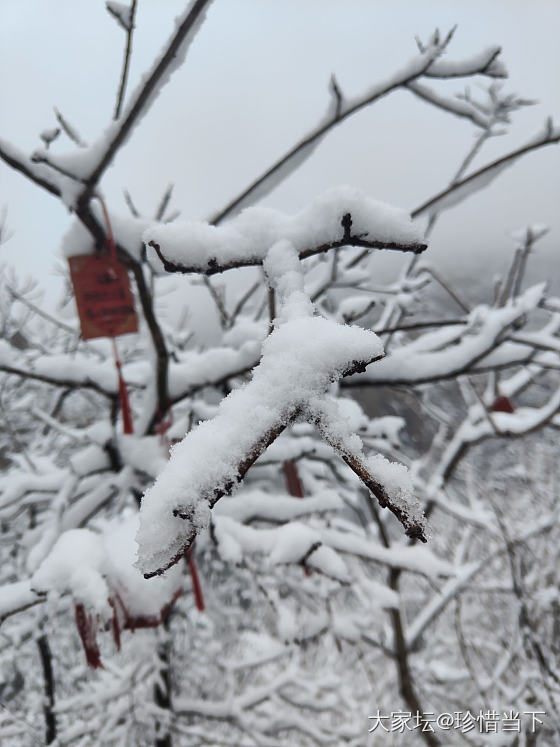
(160, 212)
(131, 206)
(214, 267)
(549, 139)
(145, 95)
(339, 115)
(126, 61)
(41, 313)
(69, 130)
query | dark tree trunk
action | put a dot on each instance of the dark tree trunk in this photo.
(162, 689)
(48, 708)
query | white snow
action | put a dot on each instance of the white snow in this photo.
(415, 362)
(392, 476)
(69, 189)
(18, 595)
(195, 370)
(127, 231)
(300, 359)
(486, 61)
(416, 558)
(247, 238)
(94, 565)
(248, 505)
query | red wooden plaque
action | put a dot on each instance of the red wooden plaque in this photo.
(103, 296)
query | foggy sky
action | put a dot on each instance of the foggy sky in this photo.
(255, 81)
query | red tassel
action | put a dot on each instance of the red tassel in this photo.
(197, 589)
(293, 482)
(86, 625)
(502, 404)
(295, 488)
(128, 426)
(115, 625)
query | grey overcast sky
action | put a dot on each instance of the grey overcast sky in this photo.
(256, 80)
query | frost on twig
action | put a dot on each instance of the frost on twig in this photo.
(301, 358)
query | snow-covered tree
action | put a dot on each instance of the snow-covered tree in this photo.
(267, 539)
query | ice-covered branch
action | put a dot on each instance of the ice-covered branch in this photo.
(70, 131)
(17, 597)
(60, 370)
(388, 481)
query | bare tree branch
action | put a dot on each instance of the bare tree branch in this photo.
(48, 707)
(347, 240)
(126, 59)
(162, 207)
(21, 163)
(551, 137)
(136, 108)
(69, 130)
(424, 64)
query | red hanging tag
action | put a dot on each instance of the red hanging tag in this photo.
(128, 427)
(103, 296)
(87, 628)
(115, 623)
(293, 482)
(105, 304)
(197, 589)
(502, 404)
(294, 487)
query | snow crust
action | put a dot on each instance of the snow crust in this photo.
(432, 357)
(299, 360)
(93, 566)
(289, 543)
(393, 477)
(127, 231)
(197, 369)
(247, 238)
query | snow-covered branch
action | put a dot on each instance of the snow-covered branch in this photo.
(340, 108)
(460, 190)
(300, 359)
(342, 217)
